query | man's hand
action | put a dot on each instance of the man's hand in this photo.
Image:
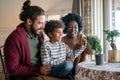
(45, 70)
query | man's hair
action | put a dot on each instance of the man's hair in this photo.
(72, 17)
(52, 24)
(30, 12)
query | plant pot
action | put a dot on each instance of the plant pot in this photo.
(114, 56)
(99, 59)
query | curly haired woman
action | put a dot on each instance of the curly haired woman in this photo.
(74, 37)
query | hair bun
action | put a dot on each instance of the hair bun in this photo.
(26, 4)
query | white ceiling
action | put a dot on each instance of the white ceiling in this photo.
(47, 5)
(54, 5)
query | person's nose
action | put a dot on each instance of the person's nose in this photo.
(43, 25)
(60, 34)
(73, 29)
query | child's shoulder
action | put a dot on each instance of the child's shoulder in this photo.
(62, 43)
(46, 43)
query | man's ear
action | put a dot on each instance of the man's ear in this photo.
(50, 34)
(29, 22)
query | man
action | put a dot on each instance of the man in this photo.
(22, 47)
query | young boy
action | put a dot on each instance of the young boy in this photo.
(55, 53)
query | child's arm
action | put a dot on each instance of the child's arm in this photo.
(45, 58)
(69, 54)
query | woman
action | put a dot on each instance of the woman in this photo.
(74, 37)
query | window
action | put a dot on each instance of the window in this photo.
(116, 20)
(53, 17)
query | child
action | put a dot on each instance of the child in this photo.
(55, 53)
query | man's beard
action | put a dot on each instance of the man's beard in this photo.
(34, 31)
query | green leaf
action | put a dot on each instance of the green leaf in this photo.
(95, 43)
(111, 35)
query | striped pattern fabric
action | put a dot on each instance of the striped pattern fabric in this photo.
(54, 54)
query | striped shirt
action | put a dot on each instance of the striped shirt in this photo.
(54, 54)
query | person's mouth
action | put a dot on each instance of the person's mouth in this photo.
(40, 29)
(72, 33)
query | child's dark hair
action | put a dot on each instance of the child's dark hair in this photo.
(30, 12)
(52, 24)
(72, 17)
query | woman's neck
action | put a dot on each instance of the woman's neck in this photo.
(71, 37)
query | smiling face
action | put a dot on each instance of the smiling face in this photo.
(56, 35)
(72, 29)
(38, 25)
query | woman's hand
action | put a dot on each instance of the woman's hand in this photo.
(79, 45)
(69, 59)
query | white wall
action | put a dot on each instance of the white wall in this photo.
(9, 13)
(10, 10)
(9, 17)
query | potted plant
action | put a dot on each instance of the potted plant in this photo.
(114, 54)
(96, 46)
(111, 35)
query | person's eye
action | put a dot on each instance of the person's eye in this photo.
(69, 27)
(41, 23)
(58, 32)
